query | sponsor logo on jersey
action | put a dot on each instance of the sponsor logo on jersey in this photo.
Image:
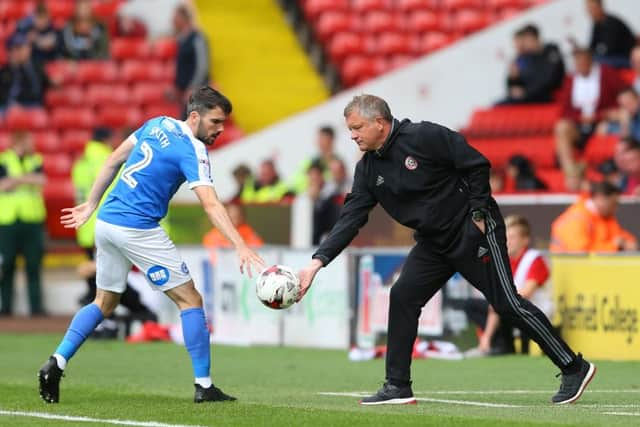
(158, 275)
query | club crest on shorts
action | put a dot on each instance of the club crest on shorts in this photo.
(158, 275)
(410, 163)
(184, 268)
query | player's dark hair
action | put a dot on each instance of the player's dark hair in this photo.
(205, 99)
(327, 130)
(604, 188)
(528, 30)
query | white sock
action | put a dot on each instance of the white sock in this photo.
(62, 362)
(204, 382)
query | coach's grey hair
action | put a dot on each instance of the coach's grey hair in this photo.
(370, 106)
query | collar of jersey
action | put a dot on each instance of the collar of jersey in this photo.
(187, 131)
(395, 128)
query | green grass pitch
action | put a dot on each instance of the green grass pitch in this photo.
(152, 383)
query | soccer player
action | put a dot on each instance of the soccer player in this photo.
(157, 158)
(428, 178)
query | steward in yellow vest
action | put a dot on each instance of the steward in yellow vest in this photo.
(22, 216)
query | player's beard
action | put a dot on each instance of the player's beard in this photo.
(202, 135)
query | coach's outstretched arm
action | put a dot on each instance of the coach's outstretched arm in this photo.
(220, 219)
(78, 215)
(353, 216)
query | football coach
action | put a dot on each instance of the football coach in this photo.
(428, 178)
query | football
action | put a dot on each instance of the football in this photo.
(277, 287)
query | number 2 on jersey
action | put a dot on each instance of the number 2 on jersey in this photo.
(127, 173)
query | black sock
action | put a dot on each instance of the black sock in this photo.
(574, 366)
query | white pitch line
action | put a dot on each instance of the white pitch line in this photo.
(628, 414)
(92, 420)
(471, 392)
(426, 399)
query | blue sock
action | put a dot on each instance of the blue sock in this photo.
(82, 324)
(196, 339)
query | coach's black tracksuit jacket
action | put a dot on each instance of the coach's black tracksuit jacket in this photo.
(429, 179)
(425, 176)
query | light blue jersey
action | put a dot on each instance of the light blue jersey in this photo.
(165, 155)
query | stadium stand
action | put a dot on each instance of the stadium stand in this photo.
(119, 93)
(386, 34)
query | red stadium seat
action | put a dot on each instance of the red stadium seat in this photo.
(62, 70)
(554, 178)
(332, 22)
(600, 148)
(128, 48)
(106, 9)
(111, 95)
(96, 71)
(167, 109)
(165, 48)
(454, 5)
(345, 44)
(540, 150)
(6, 30)
(58, 193)
(18, 118)
(73, 118)
(359, 68)
(15, 10)
(314, 8)
(393, 44)
(46, 141)
(142, 71)
(380, 21)
(469, 20)
(150, 93)
(423, 21)
(117, 118)
(513, 121)
(57, 165)
(74, 140)
(399, 61)
(416, 5)
(433, 41)
(507, 4)
(370, 5)
(67, 95)
(60, 9)
(627, 76)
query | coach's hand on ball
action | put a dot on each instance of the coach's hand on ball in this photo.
(306, 276)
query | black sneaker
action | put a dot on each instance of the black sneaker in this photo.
(49, 376)
(211, 394)
(390, 394)
(573, 385)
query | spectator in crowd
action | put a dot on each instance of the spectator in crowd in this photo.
(325, 207)
(84, 37)
(627, 117)
(83, 174)
(267, 188)
(588, 97)
(611, 39)
(192, 61)
(530, 275)
(635, 65)
(537, 71)
(22, 80)
(214, 238)
(496, 181)
(325, 139)
(520, 172)
(22, 216)
(590, 225)
(340, 183)
(631, 162)
(41, 33)
(611, 174)
(242, 176)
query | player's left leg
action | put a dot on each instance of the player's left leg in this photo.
(483, 260)
(196, 339)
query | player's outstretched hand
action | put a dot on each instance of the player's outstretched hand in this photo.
(306, 276)
(249, 258)
(76, 216)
